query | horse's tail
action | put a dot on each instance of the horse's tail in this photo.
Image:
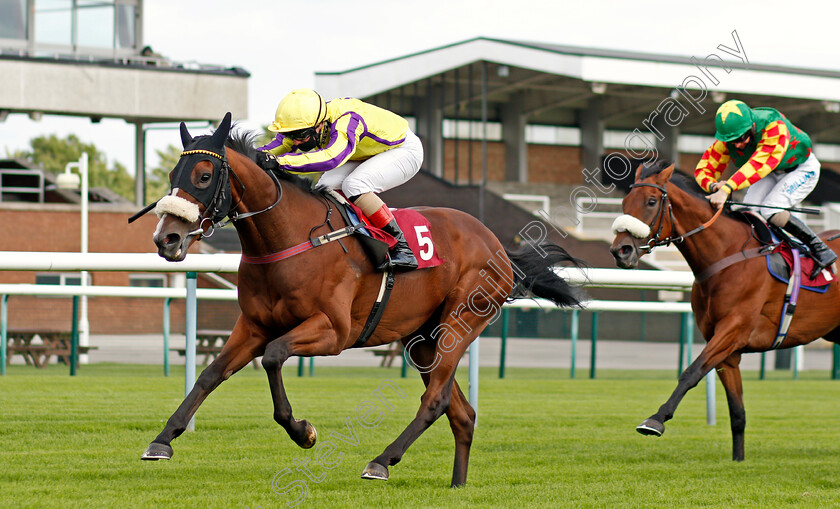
(533, 274)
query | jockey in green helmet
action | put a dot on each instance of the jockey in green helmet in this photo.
(774, 163)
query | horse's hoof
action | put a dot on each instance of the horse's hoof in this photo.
(374, 470)
(310, 436)
(157, 451)
(651, 427)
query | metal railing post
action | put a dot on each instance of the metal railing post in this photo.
(503, 352)
(594, 342)
(4, 331)
(166, 330)
(192, 313)
(574, 333)
(74, 337)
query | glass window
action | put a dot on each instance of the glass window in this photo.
(95, 24)
(48, 279)
(125, 26)
(53, 278)
(12, 19)
(147, 280)
(54, 22)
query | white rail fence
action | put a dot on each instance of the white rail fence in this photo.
(150, 262)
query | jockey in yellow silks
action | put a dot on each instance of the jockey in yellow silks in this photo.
(775, 164)
(353, 146)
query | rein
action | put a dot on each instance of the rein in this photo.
(656, 241)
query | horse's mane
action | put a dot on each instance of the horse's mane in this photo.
(244, 142)
(682, 181)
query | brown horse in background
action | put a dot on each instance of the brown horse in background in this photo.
(738, 308)
(317, 302)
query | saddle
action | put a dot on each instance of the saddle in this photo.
(780, 261)
(376, 242)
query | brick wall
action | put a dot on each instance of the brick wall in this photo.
(57, 228)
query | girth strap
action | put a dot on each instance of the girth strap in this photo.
(740, 256)
(378, 307)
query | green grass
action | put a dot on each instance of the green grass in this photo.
(542, 441)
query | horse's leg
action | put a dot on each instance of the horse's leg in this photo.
(729, 373)
(721, 346)
(239, 350)
(440, 361)
(311, 337)
(460, 414)
(462, 421)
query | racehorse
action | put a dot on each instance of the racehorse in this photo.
(316, 302)
(737, 304)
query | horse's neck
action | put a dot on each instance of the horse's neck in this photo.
(284, 225)
(724, 237)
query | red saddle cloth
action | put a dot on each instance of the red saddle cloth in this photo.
(806, 265)
(417, 231)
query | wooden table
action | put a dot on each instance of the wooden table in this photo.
(208, 342)
(388, 355)
(38, 345)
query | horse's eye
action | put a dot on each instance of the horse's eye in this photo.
(205, 177)
(652, 201)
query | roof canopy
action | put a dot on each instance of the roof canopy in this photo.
(555, 83)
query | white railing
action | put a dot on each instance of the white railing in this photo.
(29, 261)
(542, 201)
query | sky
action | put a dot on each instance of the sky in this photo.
(283, 43)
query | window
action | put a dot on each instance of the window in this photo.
(95, 23)
(75, 26)
(54, 22)
(13, 19)
(147, 280)
(60, 278)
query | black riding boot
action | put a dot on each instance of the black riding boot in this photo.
(400, 255)
(823, 256)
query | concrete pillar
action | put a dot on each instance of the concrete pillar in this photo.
(667, 146)
(513, 135)
(429, 113)
(139, 165)
(592, 133)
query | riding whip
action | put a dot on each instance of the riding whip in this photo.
(146, 209)
(792, 209)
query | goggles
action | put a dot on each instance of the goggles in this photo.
(743, 138)
(301, 134)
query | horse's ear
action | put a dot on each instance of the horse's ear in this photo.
(186, 139)
(665, 175)
(222, 132)
(638, 172)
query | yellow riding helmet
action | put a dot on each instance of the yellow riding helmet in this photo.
(300, 109)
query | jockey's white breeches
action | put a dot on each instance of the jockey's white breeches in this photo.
(780, 189)
(381, 172)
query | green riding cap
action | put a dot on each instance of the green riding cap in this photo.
(732, 120)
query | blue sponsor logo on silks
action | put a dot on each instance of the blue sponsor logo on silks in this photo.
(796, 184)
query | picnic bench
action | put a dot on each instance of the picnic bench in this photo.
(36, 346)
(209, 343)
(388, 355)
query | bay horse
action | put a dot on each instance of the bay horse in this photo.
(737, 308)
(317, 302)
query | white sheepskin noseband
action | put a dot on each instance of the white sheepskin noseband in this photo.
(631, 225)
(177, 206)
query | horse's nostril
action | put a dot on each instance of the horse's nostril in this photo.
(172, 238)
(625, 250)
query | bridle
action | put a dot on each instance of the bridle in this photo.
(219, 206)
(665, 204)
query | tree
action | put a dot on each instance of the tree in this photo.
(53, 154)
(157, 180)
